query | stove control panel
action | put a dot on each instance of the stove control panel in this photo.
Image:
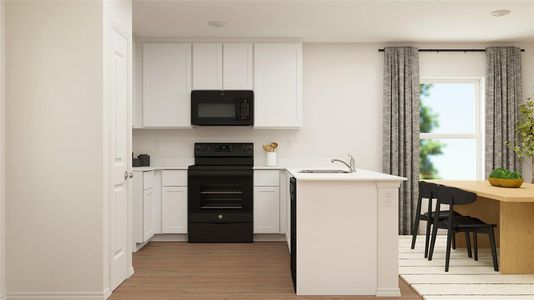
(224, 149)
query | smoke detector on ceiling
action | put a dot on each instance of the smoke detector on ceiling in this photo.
(217, 24)
(500, 12)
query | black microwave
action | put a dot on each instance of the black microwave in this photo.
(222, 108)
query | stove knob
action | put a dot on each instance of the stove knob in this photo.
(248, 149)
(198, 148)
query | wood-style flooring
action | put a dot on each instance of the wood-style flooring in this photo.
(173, 270)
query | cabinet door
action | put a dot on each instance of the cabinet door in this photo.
(148, 224)
(174, 210)
(278, 85)
(207, 66)
(266, 210)
(284, 192)
(237, 66)
(137, 207)
(166, 85)
(137, 90)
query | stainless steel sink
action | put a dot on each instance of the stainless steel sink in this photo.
(324, 171)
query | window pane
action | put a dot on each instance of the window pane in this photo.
(448, 159)
(448, 107)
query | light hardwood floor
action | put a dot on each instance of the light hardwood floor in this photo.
(169, 270)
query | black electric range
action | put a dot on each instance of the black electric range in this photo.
(220, 193)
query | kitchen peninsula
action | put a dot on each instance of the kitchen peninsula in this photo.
(346, 233)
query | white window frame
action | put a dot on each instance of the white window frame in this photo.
(478, 136)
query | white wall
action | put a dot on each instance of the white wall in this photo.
(342, 107)
(54, 149)
(2, 151)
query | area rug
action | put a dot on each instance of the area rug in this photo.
(467, 279)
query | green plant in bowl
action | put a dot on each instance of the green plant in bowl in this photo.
(505, 178)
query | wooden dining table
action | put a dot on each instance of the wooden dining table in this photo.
(512, 209)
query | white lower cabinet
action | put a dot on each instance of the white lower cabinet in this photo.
(143, 203)
(148, 222)
(266, 209)
(174, 210)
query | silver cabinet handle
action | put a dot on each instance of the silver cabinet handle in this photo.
(131, 175)
(125, 175)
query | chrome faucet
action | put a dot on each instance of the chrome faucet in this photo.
(350, 165)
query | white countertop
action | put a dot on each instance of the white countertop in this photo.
(360, 174)
(154, 168)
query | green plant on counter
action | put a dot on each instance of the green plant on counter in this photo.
(504, 173)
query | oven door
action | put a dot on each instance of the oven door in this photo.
(222, 108)
(220, 195)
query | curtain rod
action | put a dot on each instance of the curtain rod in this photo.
(450, 50)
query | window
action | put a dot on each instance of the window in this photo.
(451, 131)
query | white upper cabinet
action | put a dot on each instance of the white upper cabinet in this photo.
(237, 66)
(207, 66)
(137, 99)
(166, 85)
(278, 85)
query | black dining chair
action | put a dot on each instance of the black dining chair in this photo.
(454, 224)
(427, 190)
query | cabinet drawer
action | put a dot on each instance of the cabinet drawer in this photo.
(266, 178)
(174, 178)
(148, 180)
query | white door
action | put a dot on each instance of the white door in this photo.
(119, 97)
(207, 66)
(237, 66)
(266, 210)
(174, 210)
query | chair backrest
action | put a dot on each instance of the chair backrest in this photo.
(428, 190)
(455, 196)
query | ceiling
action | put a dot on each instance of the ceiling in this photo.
(337, 21)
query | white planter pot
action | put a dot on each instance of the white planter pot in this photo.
(271, 159)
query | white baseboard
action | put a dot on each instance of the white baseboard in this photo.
(388, 292)
(107, 293)
(267, 237)
(183, 238)
(58, 295)
(169, 237)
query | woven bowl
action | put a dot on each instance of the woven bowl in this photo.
(504, 182)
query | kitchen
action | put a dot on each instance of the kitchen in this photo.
(211, 200)
(232, 149)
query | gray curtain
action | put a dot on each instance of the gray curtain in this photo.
(503, 95)
(401, 126)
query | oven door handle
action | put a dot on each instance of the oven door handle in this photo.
(233, 173)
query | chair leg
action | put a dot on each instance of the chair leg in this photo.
(432, 242)
(427, 236)
(454, 241)
(468, 244)
(450, 235)
(493, 247)
(475, 244)
(415, 229)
